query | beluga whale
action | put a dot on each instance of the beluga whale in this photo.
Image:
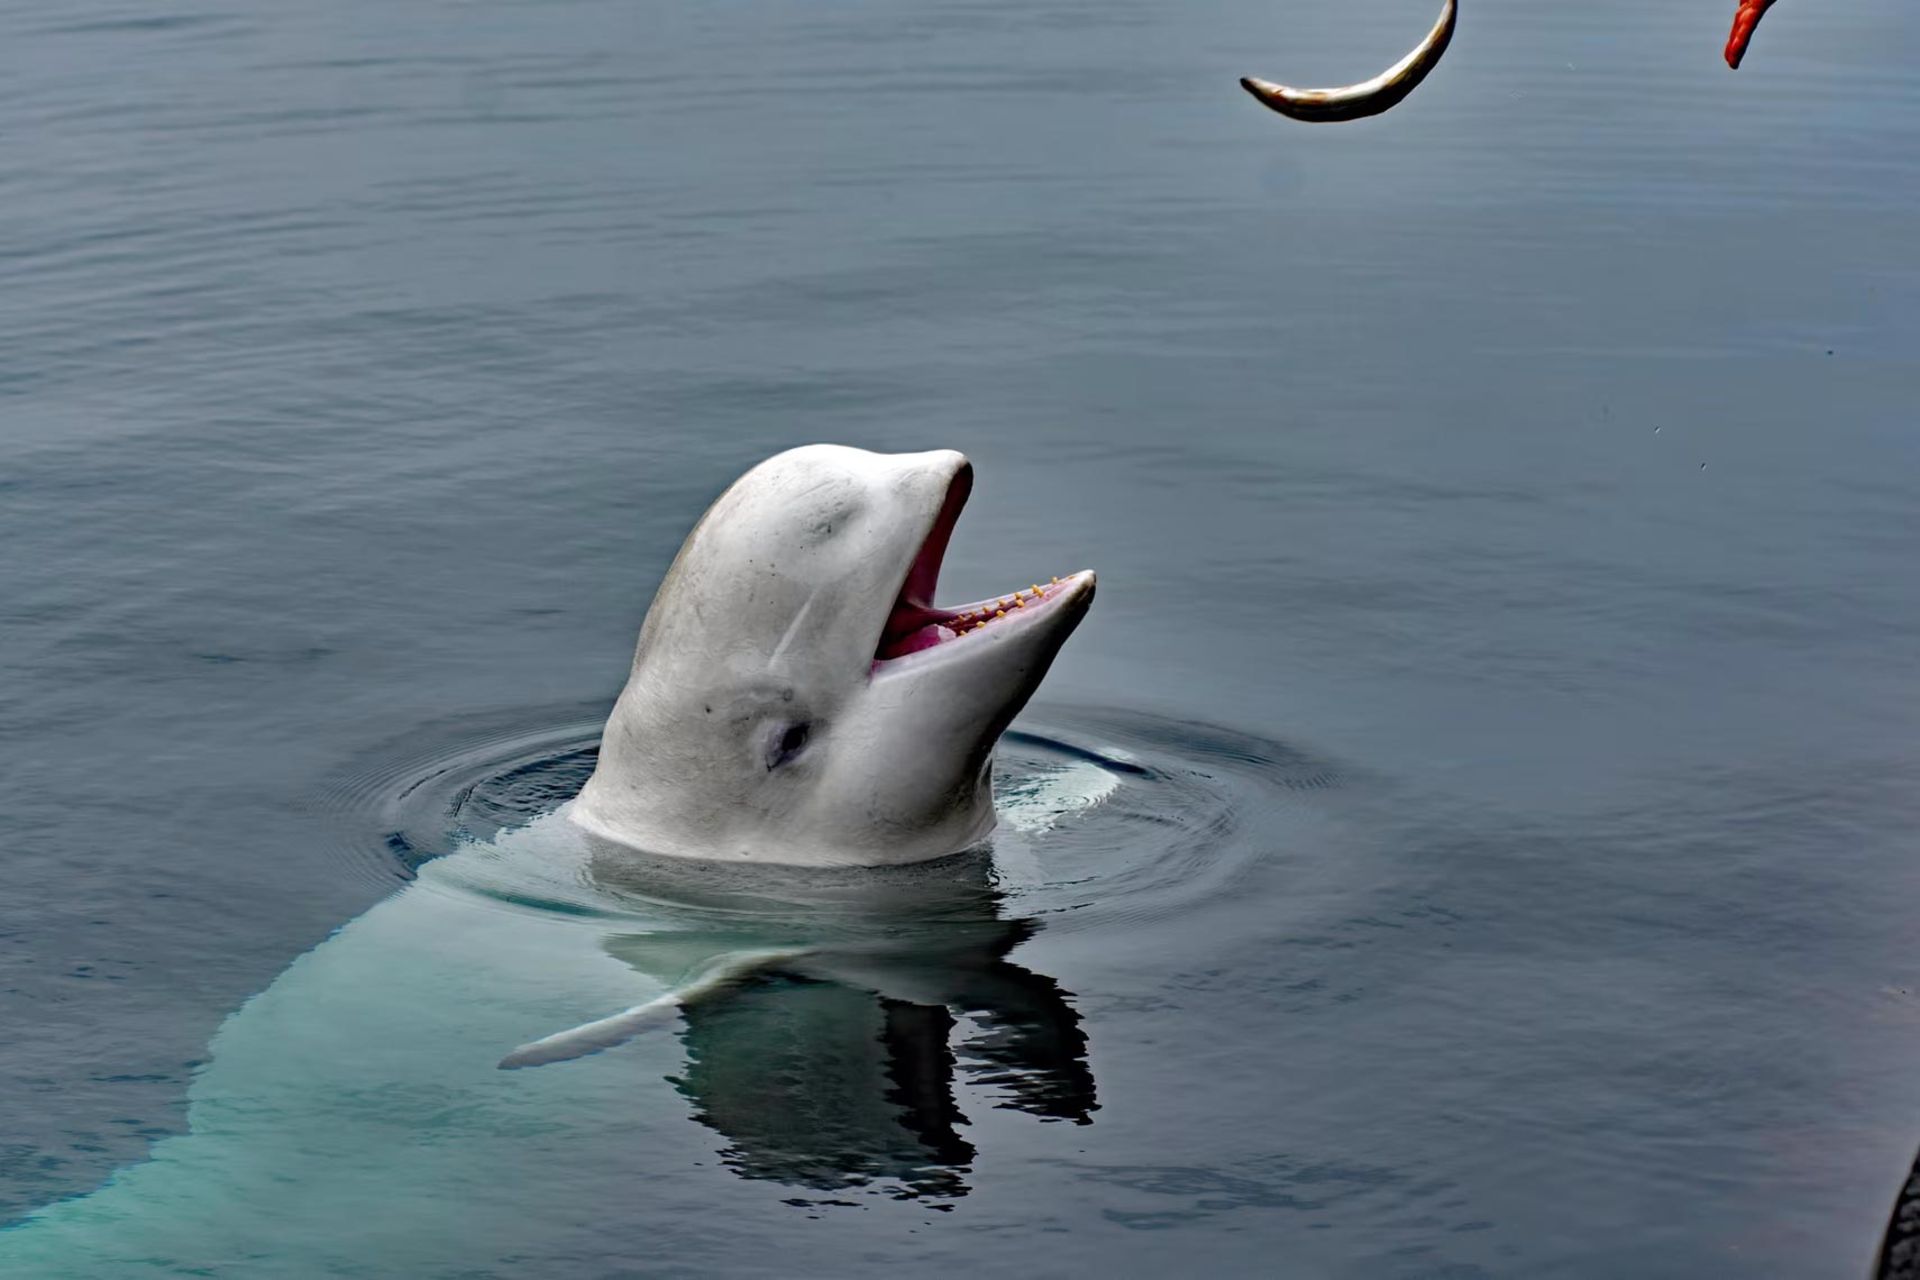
(781, 854)
(796, 695)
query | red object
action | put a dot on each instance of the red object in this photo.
(1745, 19)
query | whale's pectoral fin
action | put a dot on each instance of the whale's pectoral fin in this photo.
(723, 975)
(592, 1037)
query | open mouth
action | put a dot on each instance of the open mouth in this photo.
(915, 624)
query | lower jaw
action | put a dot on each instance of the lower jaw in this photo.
(946, 626)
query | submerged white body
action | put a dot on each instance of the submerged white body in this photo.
(351, 1119)
(778, 708)
(352, 1115)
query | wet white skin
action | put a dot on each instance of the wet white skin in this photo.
(763, 719)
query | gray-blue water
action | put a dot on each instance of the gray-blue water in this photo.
(1505, 667)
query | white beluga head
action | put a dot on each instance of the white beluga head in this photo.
(796, 696)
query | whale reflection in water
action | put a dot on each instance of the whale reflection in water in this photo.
(832, 1063)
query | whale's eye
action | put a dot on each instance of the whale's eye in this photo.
(789, 742)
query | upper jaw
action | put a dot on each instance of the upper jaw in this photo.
(923, 571)
(915, 629)
(913, 606)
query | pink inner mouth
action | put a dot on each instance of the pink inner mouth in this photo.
(913, 627)
(915, 623)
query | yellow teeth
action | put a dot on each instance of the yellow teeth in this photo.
(963, 623)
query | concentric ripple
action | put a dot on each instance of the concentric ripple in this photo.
(1105, 814)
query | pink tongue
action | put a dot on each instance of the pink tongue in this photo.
(914, 641)
(912, 627)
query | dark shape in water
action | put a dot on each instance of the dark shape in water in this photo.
(1899, 1257)
(828, 1082)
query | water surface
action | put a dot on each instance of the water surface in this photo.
(1535, 463)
